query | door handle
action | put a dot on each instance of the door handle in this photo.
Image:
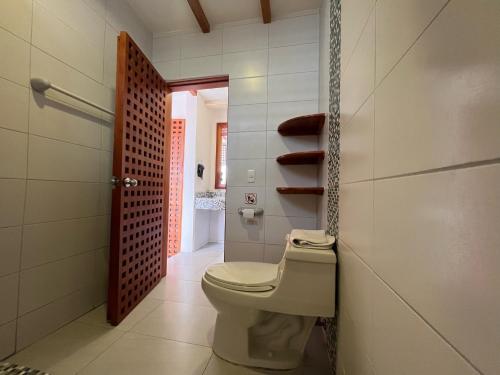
(129, 182)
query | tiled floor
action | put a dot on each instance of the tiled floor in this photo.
(170, 332)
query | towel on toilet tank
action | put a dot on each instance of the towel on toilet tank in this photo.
(311, 239)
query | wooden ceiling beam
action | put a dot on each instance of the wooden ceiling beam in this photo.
(265, 5)
(200, 15)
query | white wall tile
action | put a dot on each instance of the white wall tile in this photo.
(110, 51)
(434, 95)
(39, 323)
(294, 59)
(401, 339)
(399, 23)
(290, 31)
(7, 339)
(101, 276)
(351, 359)
(355, 285)
(13, 106)
(273, 253)
(12, 202)
(278, 145)
(51, 119)
(169, 69)
(277, 227)
(166, 48)
(357, 81)
(238, 230)
(247, 145)
(8, 293)
(289, 205)
(43, 65)
(243, 252)
(201, 66)
(245, 64)
(58, 200)
(356, 218)
(356, 148)
(54, 160)
(293, 87)
(123, 18)
(243, 118)
(13, 154)
(48, 242)
(79, 16)
(290, 175)
(198, 44)
(248, 91)
(105, 166)
(235, 198)
(245, 37)
(104, 206)
(14, 65)
(15, 16)
(280, 112)
(56, 38)
(443, 225)
(44, 284)
(99, 6)
(355, 14)
(10, 251)
(238, 172)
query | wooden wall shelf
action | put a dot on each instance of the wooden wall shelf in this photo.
(303, 125)
(296, 158)
(301, 190)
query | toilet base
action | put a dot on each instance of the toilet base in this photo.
(271, 340)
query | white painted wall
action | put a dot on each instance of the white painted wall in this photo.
(273, 72)
(55, 162)
(207, 119)
(185, 106)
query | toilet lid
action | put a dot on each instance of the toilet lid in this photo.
(244, 276)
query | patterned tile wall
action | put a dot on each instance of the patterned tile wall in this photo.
(333, 153)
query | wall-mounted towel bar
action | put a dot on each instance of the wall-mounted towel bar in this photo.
(41, 85)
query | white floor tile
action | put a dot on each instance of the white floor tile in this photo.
(177, 290)
(180, 322)
(135, 354)
(67, 350)
(98, 315)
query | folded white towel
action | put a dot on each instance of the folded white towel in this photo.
(312, 239)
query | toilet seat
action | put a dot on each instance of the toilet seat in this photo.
(244, 276)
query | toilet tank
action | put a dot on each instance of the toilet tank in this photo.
(307, 282)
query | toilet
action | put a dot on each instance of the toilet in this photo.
(266, 311)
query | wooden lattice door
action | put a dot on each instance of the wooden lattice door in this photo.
(177, 135)
(140, 167)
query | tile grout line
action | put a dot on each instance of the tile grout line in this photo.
(449, 168)
(412, 44)
(411, 308)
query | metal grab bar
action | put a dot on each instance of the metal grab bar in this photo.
(41, 85)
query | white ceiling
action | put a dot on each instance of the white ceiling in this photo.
(176, 15)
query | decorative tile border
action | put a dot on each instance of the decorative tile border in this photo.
(12, 369)
(333, 157)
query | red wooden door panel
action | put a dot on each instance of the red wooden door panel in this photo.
(177, 135)
(137, 258)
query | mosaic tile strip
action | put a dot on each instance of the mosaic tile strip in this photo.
(333, 157)
(12, 369)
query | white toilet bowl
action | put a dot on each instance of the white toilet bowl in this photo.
(266, 311)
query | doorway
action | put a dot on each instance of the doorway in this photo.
(141, 170)
(202, 225)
